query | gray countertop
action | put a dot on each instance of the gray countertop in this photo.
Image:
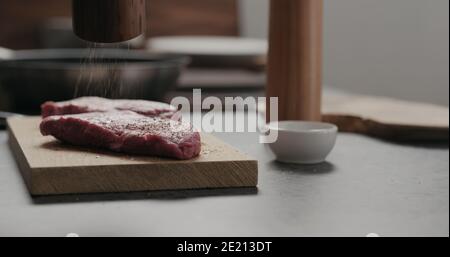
(367, 186)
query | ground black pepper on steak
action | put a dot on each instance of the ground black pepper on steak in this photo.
(97, 104)
(127, 132)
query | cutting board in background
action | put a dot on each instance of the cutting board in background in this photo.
(52, 168)
(386, 118)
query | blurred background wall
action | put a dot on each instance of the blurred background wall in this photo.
(397, 48)
(22, 22)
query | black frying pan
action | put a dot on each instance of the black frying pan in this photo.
(29, 78)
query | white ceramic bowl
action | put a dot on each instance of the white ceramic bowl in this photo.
(303, 142)
(5, 53)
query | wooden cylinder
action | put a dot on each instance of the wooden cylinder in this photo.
(295, 58)
(108, 21)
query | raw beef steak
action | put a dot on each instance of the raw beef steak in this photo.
(127, 132)
(97, 104)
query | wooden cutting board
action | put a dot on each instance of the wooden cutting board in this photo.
(387, 118)
(52, 168)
